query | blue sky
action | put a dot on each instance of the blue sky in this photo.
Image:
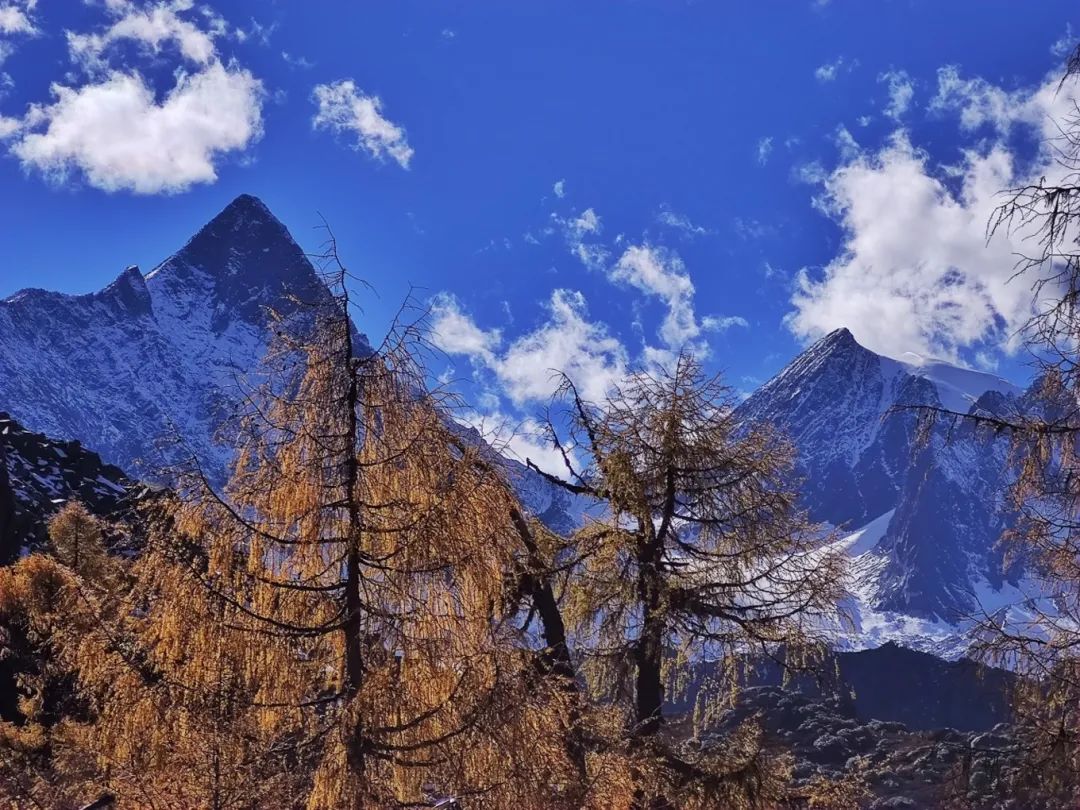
(589, 184)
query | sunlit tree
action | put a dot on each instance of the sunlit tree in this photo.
(702, 555)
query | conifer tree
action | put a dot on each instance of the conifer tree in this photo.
(77, 541)
(330, 629)
(1041, 639)
(702, 555)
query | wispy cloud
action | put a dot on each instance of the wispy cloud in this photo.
(830, 71)
(764, 149)
(901, 89)
(1065, 44)
(294, 61)
(680, 222)
(16, 17)
(153, 27)
(344, 108)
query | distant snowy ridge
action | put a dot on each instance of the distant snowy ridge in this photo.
(958, 388)
(925, 518)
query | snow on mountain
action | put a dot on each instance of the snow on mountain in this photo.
(151, 360)
(958, 388)
(127, 369)
(926, 515)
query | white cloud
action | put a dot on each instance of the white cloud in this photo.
(118, 131)
(16, 20)
(764, 149)
(456, 333)
(559, 188)
(152, 26)
(342, 107)
(830, 70)
(587, 223)
(121, 137)
(680, 222)
(15, 17)
(9, 127)
(660, 273)
(716, 323)
(916, 272)
(979, 103)
(567, 342)
(576, 229)
(901, 92)
(846, 142)
(257, 31)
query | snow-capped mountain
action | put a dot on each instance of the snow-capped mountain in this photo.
(924, 516)
(150, 360)
(126, 369)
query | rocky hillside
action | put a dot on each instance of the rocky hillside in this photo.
(39, 474)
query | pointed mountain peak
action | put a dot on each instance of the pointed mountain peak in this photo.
(246, 209)
(838, 346)
(244, 234)
(834, 364)
(243, 223)
(838, 339)
(239, 263)
(129, 291)
(130, 276)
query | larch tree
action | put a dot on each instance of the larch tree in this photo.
(330, 629)
(76, 540)
(358, 561)
(702, 556)
(1041, 641)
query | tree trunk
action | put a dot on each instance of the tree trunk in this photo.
(353, 629)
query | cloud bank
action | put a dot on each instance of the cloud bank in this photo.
(916, 271)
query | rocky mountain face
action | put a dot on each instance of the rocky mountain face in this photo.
(925, 511)
(38, 475)
(151, 360)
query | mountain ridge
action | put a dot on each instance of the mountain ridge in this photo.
(853, 417)
(148, 358)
